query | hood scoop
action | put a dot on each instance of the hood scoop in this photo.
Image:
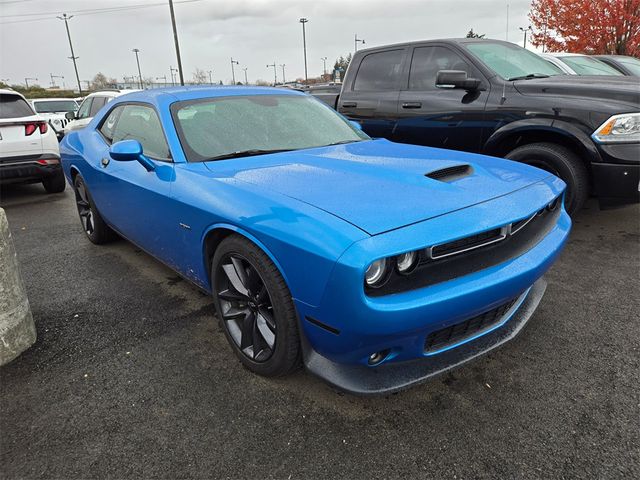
(449, 174)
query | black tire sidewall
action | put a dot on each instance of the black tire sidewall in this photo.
(56, 183)
(101, 231)
(285, 357)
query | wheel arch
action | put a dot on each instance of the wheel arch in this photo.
(517, 134)
(215, 234)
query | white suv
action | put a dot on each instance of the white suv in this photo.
(29, 151)
(55, 110)
(90, 106)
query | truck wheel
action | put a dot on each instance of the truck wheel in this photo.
(563, 163)
(55, 183)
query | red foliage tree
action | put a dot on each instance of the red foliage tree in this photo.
(587, 26)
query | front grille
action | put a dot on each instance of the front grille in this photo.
(450, 173)
(456, 333)
(467, 243)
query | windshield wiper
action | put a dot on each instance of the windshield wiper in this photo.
(247, 153)
(343, 142)
(529, 77)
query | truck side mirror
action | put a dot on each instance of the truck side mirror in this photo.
(456, 79)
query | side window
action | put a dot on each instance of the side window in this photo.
(142, 123)
(108, 126)
(428, 61)
(85, 107)
(379, 71)
(98, 103)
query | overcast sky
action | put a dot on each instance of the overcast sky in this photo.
(33, 42)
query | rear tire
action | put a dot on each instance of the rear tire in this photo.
(563, 163)
(255, 308)
(56, 183)
(92, 223)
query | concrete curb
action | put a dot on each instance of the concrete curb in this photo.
(17, 330)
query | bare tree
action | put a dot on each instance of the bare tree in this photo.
(200, 77)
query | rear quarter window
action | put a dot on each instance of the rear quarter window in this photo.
(14, 106)
(379, 71)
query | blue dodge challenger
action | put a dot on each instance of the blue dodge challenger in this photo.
(376, 264)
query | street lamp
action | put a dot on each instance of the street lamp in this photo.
(304, 47)
(53, 82)
(283, 78)
(175, 41)
(26, 80)
(233, 73)
(275, 74)
(136, 51)
(173, 77)
(324, 63)
(210, 81)
(164, 78)
(357, 41)
(72, 57)
(525, 30)
(246, 81)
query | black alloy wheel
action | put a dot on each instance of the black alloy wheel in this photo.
(92, 223)
(255, 308)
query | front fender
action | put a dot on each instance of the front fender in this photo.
(539, 128)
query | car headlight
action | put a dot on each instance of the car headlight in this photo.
(407, 262)
(623, 128)
(377, 273)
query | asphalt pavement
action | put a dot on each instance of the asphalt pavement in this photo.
(132, 378)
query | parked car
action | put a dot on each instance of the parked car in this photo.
(626, 65)
(29, 150)
(328, 93)
(578, 64)
(376, 264)
(54, 110)
(497, 98)
(91, 104)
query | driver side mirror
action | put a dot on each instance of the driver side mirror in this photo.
(129, 150)
(70, 115)
(456, 79)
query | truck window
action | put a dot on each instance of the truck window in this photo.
(428, 61)
(379, 71)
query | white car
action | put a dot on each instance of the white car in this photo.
(29, 151)
(91, 104)
(578, 64)
(55, 110)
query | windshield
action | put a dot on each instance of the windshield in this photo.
(583, 65)
(512, 62)
(224, 127)
(632, 63)
(53, 106)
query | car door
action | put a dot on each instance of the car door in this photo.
(136, 201)
(371, 97)
(440, 117)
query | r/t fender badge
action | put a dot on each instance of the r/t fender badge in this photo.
(185, 226)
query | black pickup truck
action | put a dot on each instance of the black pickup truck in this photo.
(496, 98)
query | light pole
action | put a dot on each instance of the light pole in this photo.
(26, 80)
(72, 57)
(324, 65)
(136, 51)
(233, 72)
(303, 21)
(283, 79)
(173, 77)
(175, 40)
(53, 82)
(275, 74)
(164, 78)
(525, 30)
(246, 80)
(357, 41)
(210, 81)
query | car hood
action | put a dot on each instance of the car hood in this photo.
(379, 185)
(616, 88)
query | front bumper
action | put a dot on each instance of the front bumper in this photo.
(616, 178)
(391, 377)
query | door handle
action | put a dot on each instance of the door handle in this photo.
(104, 162)
(412, 105)
(349, 104)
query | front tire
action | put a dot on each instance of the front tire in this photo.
(56, 183)
(255, 308)
(563, 163)
(92, 223)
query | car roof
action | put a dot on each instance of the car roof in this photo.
(50, 99)
(435, 40)
(168, 95)
(8, 91)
